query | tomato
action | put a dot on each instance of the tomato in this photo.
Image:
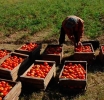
(29, 46)
(4, 88)
(4, 92)
(3, 53)
(1, 98)
(45, 63)
(11, 62)
(39, 70)
(73, 71)
(84, 48)
(53, 50)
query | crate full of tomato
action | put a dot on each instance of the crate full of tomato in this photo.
(53, 53)
(12, 66)
(101, 53)
(4, 54)
(39, 74)
(32, 49)
(84, 52)
(73, 76)
(9, 90)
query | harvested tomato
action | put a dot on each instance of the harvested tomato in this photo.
(3, 53)
(84, 48)
(29, 46)
(5, 87)
(39, 70)
(54, 50)
(11, 62)
(73, 71)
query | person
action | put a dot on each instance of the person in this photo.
(73, 26)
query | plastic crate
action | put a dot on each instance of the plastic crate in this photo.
(38, 82)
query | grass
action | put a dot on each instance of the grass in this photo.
(34, 15)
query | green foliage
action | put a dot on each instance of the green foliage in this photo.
(34, 15)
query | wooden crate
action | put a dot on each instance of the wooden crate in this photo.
(14, 92)
(53, 57)
(73, 85)
(95, 44)
(35, 82)
(101, 53)
(13, 74)
(6, 56)
(34, 54)
(85, 56)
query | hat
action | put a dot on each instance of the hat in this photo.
(71, 22)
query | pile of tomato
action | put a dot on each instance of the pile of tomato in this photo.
(39, 70)
(29, 46)
(73, 71)
(3, 53)
(54, 50)
(11, 62)
(5, 87)
(83, 48)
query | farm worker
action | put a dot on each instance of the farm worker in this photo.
(73, 26)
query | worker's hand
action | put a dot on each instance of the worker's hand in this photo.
(78, 44)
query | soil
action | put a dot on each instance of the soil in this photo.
(15, 40)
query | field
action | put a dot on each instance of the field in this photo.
(40, 21)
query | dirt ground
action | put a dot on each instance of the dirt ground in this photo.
(15, 40)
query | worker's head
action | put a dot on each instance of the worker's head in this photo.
(71, 22)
